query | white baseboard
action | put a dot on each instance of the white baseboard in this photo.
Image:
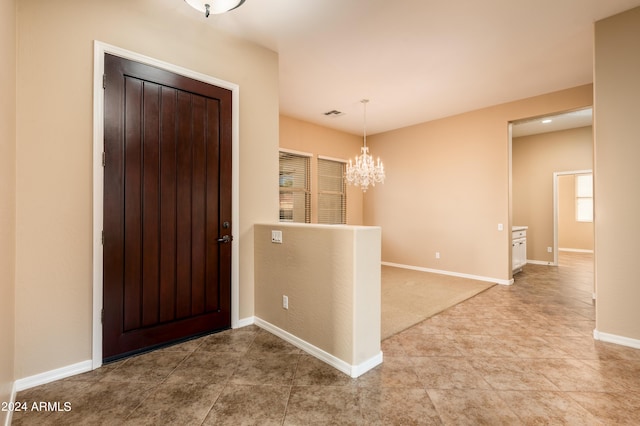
(352, 370)
(541, 262)
(12, 399)
(371, 363)
(574, 250)
(618, 340)
(244, 322)
(53, 375)
(453, 274)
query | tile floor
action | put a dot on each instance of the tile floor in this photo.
(521, 354)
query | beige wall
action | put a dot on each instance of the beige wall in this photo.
(617, 198)
(7, 197)
(54, 153)
(331, 275)
(447, 187)
(310, 138)
(534, 160)
(572, 235)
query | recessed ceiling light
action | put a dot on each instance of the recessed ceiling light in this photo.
(546, 120)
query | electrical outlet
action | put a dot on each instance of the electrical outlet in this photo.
(500, 227)
(285, 302)
(549, 249)
(437, 255)
(276, 237)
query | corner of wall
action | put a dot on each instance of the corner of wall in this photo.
(7, 203)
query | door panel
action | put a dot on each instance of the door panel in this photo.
(167, 173)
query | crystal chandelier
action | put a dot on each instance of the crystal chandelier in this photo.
(209, 7)
(365, 172)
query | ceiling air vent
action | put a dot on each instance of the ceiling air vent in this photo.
(333, 113)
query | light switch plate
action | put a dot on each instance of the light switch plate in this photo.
(276, 237)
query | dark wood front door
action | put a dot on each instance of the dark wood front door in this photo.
(167, 203)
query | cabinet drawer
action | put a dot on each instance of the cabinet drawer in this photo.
(519, 234)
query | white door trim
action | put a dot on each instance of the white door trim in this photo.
(98, 179)
(556, 175)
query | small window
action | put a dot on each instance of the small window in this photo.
(295, 197)
(584, 197)
(332, 195)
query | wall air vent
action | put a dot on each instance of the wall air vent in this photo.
(334, 113)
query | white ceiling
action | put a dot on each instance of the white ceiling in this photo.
(416, 60)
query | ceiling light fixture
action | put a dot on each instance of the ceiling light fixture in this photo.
(214, 6)
(365, 172)
(546, 121)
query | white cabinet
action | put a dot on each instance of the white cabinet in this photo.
(518, 248)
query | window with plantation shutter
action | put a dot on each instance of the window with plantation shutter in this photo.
(332, 195)
(295, 196)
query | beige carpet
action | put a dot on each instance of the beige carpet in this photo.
(409, 297)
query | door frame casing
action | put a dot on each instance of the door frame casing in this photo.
(556, 211)
(100, 49)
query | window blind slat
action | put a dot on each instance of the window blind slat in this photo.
(295, 197)
(332, 200)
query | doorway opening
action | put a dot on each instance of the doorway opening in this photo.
(540, 147)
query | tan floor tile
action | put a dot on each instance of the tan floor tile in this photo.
(528, 346)
(63, 391)
(392, 346)
(434, 325)
(552, 408)
(508, 327)
(623, 372)
(205, 368)
(474, 311)
(151, 367)
(576, 376)
(97, 374)
(431, 345)
(312, 371)
(611, 408)
(512, 374)
(267, 369)
(472, 407)
(104, 403)
(188, 346)
(270, 344)
(324, 405)
(548, 327)
(175, 404)
(397, 406)
(586, 348)
(482, 346)
(233, 341)
(249, 405)
(448, 373)
(393, 372)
